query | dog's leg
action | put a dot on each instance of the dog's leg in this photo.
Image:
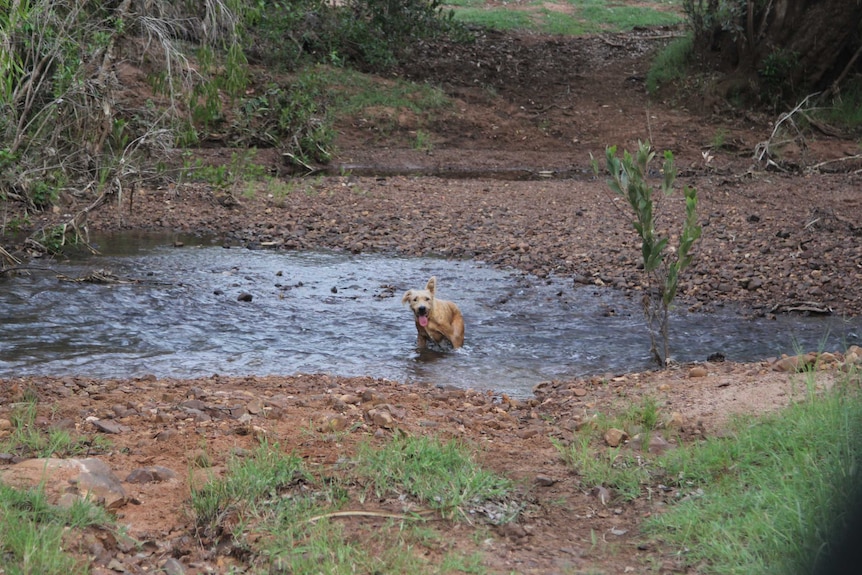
(422, 340)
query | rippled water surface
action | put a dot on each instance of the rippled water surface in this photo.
(316, 312)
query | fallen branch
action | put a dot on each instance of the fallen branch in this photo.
(834, 161)
(414, 517)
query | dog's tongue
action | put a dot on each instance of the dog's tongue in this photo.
(423, 320)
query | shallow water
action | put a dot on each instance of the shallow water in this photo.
(338, 313)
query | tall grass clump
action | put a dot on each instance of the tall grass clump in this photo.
(670, 65)
(775, 496)
(440, 475)
(284, 518)
(32, 531)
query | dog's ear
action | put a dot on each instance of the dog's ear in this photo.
(432, 285)
(407, 295)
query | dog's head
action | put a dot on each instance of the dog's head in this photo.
(421, 301)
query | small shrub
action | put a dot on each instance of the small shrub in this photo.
(629, 180)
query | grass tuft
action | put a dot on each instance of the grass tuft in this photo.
(772, 497)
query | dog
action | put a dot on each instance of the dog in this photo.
(436, 319)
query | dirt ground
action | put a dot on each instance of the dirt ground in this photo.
(507, 181)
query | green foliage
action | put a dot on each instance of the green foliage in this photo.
(771, 497)
(613, 468)
(774, 70)
(28, 440)
(629, 180)
(441, 475)
(423, 141)
(365, 33)
(32, 532)
(226, 177)
(670, 64)
(586, 17)
(53, 239)
(250, 483)
(285, 519)
(846, 107)
(706, 17)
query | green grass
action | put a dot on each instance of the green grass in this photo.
(287, 519)
(28, 440)
(32, 530)
(770, 497)
(670, 64)
(585, 17)
(846, 108)
(498, 19)
(440, 475)
(766, 500)
(352, 92)
(612, 17)
(619, 469)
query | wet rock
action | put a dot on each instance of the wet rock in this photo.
(244, 297)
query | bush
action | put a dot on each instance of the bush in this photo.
(628, 179)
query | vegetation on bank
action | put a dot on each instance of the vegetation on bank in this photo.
(244, 74)
(770, 495)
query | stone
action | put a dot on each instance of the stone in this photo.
(791, 364)
(381, 418)
(602, 493)
(89, 478)
(698, 371)
(255, 406)
(152, 474)
(107, 426)
(331, 423)
(615, 437)
(173, 567)
(674, 421)
(544, 481)
(166, 435)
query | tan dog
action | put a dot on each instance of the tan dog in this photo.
(436, 319)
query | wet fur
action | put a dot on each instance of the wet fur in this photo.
(444, 318)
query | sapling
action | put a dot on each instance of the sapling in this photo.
(662, 265)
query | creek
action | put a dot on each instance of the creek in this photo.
(341, 313)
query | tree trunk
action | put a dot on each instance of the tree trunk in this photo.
(801, 45)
